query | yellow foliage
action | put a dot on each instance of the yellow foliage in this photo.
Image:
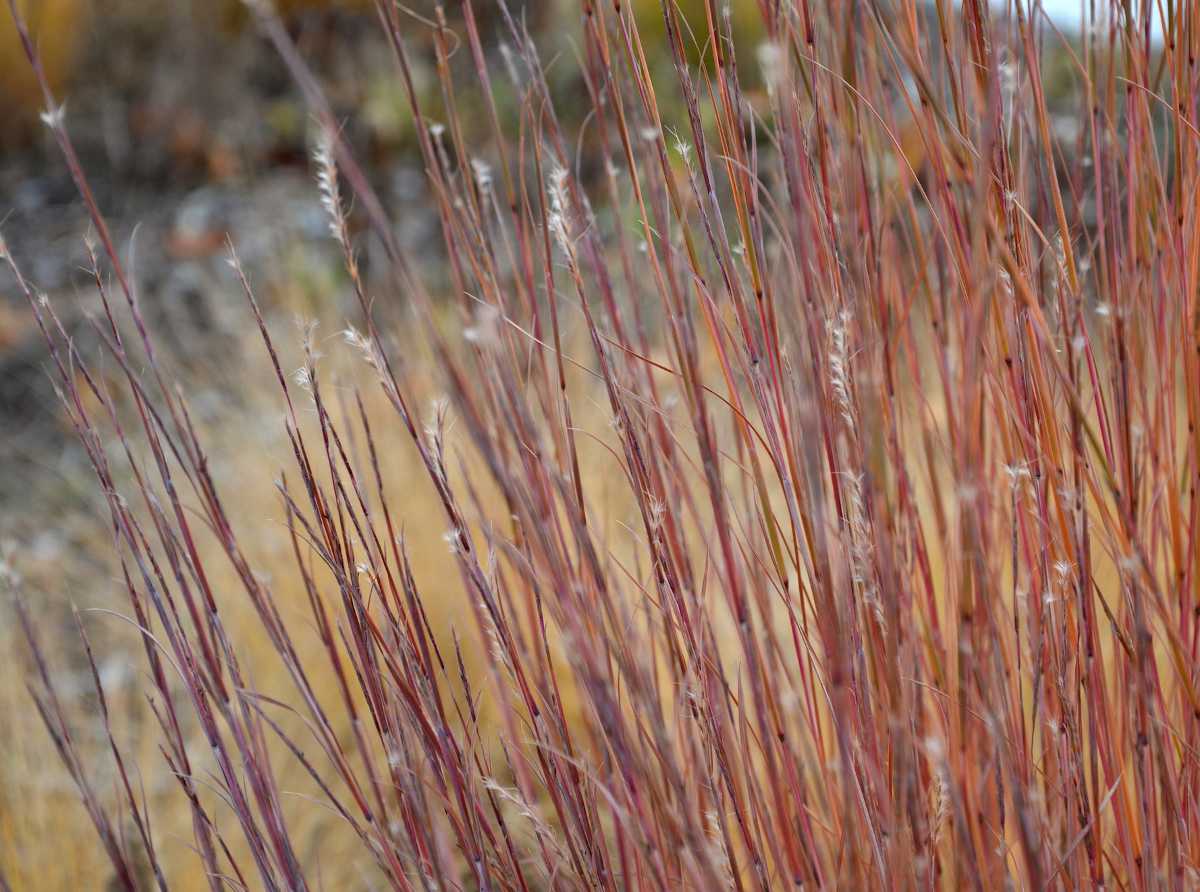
(745, 17)
(55, 26)
(59, 28)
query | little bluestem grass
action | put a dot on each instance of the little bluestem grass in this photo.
(893, 368)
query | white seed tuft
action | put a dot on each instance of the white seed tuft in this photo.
(53, 117)
(486, 329)
(557, 221)
(483, 174)
(839, 367)
(303, 378)
(771, 59)
(327, 184)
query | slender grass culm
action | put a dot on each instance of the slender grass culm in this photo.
(817, 466)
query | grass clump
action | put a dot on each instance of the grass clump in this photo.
(816, 470)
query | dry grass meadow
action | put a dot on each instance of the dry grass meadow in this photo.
(778, 471)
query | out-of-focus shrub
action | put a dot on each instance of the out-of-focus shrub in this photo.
(57, 26)
(62, 29)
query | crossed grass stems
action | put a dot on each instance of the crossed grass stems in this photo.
(900, 392)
